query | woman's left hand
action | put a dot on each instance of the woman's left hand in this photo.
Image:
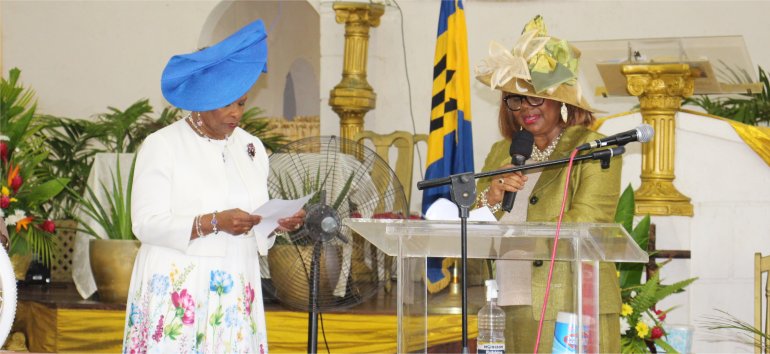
(293, 222)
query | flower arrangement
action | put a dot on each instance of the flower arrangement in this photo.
(23, 193)
(641, 323)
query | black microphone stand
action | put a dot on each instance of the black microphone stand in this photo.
(463, 191)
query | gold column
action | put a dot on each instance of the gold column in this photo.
(661, 89)
(353, 96)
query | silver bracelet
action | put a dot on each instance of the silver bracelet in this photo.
(214, 222)
(197, 222)
(482, 202)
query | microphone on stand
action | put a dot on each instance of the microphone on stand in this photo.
(642, 134)
(520, 150)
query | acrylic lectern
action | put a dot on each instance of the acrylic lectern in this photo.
(411, 242)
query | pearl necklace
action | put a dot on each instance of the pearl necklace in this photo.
(197, 129)
(543, 155)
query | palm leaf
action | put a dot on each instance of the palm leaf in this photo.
(726, 321)
(114, 216)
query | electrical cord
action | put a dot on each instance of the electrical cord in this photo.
(553, 252)
(409, 85)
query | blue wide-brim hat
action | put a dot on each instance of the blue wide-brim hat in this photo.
(218, 75)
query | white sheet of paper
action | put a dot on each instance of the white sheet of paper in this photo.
(444, 209)
(274, 210)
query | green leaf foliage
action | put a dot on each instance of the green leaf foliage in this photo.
(28, 194)
(748, 108)
(631, 273)
(260, 127)
(114, 217)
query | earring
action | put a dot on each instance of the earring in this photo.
(198, 121)
(564, 112)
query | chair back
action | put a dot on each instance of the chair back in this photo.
(404, 143)
(761, 271)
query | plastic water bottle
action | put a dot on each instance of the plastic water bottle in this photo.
(491, 339)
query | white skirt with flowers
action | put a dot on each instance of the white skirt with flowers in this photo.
(195, 304)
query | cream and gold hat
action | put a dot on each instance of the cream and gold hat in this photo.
(538, 65)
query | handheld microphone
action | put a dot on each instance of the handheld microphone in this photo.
(642, 134)
(520, 150)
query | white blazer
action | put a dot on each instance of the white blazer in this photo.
(177, 177)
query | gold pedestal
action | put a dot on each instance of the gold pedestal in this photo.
(353, 96)
(661, 89)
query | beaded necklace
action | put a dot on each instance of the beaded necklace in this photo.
(196, 126)
(543, 155)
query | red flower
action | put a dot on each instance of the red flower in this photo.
(16, 183)
(5, 201)
(4, 151)
(661, 315)
(656, 333)
(48, 226)
(248, 297)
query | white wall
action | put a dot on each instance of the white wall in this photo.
(92, 54)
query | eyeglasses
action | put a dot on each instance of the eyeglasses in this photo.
(513, 102)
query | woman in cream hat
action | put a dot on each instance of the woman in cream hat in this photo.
(196, 284)
(540, 95)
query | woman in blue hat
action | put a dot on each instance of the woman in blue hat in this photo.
(196, 281)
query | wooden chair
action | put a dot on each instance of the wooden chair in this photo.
(761, 270)
(404, 142)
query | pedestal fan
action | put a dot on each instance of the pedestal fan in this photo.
(324, 265)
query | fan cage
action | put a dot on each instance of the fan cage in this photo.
(356, 183)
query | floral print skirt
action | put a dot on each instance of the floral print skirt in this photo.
(194, 304)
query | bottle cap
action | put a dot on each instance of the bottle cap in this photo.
(491, 289)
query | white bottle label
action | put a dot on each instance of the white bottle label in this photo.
(490, 348)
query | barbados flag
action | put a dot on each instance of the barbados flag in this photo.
(450, 143)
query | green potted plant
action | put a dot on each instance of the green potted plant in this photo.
(113, 246)
(23, 191)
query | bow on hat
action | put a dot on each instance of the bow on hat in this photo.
(218, 75)
(505, 65)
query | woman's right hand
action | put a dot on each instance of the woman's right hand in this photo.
(510, 182)
(236, 221)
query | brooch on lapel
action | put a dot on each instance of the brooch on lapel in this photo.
(251, 151)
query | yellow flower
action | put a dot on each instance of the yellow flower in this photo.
(626, 310)
(642, 329)
(5, 191)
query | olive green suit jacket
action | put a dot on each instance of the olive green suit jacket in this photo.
(592, 197)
